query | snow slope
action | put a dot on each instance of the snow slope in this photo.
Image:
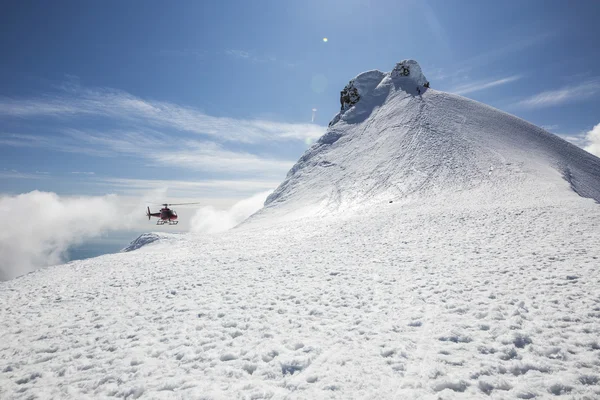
(395, 144)
(480, 280)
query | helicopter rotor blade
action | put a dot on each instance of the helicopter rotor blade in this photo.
(174, 204)
(182, 204)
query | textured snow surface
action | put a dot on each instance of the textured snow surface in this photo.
(426, 247)
(406, 302)
(146, 238)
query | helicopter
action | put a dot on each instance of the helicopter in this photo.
(166, 215)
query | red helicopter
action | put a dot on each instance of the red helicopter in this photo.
(166, 215)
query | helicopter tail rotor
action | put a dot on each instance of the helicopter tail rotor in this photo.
(148, 213)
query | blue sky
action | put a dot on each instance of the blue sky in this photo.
(214, 99)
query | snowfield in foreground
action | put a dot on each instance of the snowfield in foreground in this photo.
(426, 247)
(399, 302)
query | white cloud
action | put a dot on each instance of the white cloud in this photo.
(593, 141)
(43, 226)
(565, 95)
(211, 220)
(485, 84)
(124, 107)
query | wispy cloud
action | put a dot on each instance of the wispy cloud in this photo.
(460, 69)
(191, 154)
(237, 53)
(459, 73)
(484, 84)
(14, 174)
(157, 134)
(513, 46)
(569, 94)
(593, 141)
(82, 173)
(126, 108)
(190, 189)
(251, 56)
(158, 149)
(51, 143)
(212, 157)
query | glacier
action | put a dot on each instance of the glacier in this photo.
(426, 247)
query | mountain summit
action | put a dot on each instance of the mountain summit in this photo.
(397, 140)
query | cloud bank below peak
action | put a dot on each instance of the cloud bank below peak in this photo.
(48, 225)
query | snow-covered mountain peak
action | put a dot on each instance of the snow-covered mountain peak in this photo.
(368, 89)
(396, 140)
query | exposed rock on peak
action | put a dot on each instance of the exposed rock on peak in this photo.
(349, 96)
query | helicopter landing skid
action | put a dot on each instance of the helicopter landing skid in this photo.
(164, 222)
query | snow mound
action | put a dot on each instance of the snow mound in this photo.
(403, 142)
(410, 72)
(146, 238)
